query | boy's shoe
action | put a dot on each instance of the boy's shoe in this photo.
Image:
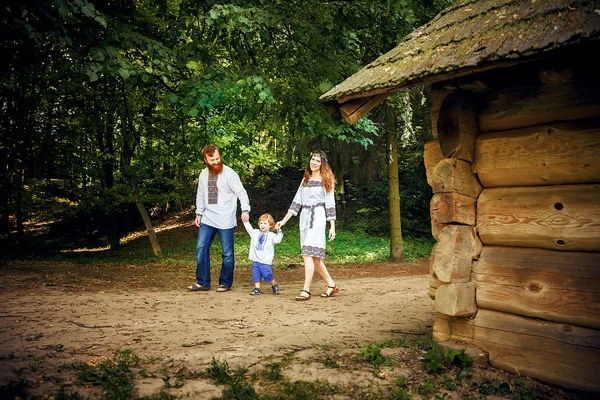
(255, 292)
(275, 288)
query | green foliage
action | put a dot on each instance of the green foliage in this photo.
(272, 372)
(236, 385)
(127, 92)
(239, 389)
(218, 371)
(398, 389)
(427, 388)
(64, 394)
(436, 359)
(301, 390)
(332, 361)
(458, 358)
(371, 353)
(114, 375)
(415, 248)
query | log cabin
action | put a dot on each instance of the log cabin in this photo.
(514, 169)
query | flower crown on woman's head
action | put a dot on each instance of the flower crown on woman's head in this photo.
(320, 154)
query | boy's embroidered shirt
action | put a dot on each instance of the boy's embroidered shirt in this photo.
(262, 244)
(262, 238)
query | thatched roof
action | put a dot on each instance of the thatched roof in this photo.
(470, 36)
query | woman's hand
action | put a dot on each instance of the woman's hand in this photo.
(331, 233)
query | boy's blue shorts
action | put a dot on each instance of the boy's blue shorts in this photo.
(261, 270)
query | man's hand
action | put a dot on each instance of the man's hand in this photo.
(197, 221)
(245, 217)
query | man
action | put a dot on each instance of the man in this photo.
(219, 188)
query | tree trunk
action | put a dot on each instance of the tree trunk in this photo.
(396, 250)
(129, 144)
(139, 203)
(146, 218)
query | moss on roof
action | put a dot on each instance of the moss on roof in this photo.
(473, 34)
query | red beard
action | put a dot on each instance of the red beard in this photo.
(215, 169)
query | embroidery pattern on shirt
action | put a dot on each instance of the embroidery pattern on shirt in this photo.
(295, 207)
(313, 183)
(213, 192)
(262, 239)
(330, 213)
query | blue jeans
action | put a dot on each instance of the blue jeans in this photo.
(206, 235)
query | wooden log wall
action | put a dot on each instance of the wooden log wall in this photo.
(516, 217)
(560, 354)
(453, 206)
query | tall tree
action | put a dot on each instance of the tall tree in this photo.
(396, 249)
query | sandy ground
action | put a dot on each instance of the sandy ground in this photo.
(49, 325)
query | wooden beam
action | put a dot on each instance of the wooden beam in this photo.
(457, 126)
(456, 299)
(452, 255)
(562, 217)
(436, 97)
(453, 207)
(555, 76)
(453, 175)
(542, 155)
(552, 285)
(559, 354)
(513, 108)
(353, 110)
(434, 281)
(436, 228)
(432, 155)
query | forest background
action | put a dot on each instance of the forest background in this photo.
(106, 105)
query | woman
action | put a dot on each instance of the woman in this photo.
(315, 198)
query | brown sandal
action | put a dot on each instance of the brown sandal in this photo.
(334, 291)
(303, 298)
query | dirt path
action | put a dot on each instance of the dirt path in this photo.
(51, 324)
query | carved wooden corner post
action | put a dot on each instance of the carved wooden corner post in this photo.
(453, 205)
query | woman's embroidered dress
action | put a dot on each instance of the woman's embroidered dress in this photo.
(317, 208)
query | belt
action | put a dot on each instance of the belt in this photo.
(312, 212)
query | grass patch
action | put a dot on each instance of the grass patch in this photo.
(179, 247)
(434, 374)
(115, 375)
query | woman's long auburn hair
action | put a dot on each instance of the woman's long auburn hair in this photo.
(327, 176)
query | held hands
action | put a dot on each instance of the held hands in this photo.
(279, 224)
(245, 217)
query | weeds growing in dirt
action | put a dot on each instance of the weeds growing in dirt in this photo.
(418, 367)
(371, 353)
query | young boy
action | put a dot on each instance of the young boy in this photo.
(262, 243)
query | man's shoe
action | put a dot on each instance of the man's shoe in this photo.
(255, 292)
(275, 288)
(198, 288)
